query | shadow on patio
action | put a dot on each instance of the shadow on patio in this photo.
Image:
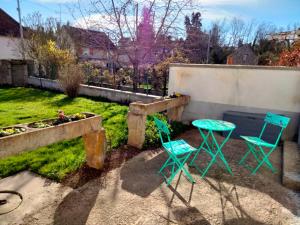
(139, 176)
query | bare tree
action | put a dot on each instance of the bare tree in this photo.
(38, 33)
(122, 21)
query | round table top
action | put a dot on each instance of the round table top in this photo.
(214, 125)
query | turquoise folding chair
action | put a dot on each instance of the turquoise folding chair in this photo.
(178, 151)
(257, 145)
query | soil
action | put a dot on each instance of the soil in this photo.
(114, 159)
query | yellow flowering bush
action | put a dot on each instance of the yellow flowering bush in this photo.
(53, 58)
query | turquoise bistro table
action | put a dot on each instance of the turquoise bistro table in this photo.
(207, 127)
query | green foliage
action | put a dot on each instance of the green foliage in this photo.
(54, 58)
(108, 78)
(40, 125)
(177, 57)
(90, 72)
(11, 131)
(162, 69)
(152, 139)
(268, 51)
(53, 161)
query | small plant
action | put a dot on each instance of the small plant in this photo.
(90, 72)
(175, 95)
(152, 139)
(70, 78)
(62, 118)
(40, 125)
(11, 130)
(78, 116)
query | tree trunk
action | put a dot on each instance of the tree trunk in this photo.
(135, 76)
(165, 83)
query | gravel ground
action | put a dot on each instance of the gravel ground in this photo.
(135, 194)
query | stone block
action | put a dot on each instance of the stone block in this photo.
(95, 148)
(136, 129)
(291, 165)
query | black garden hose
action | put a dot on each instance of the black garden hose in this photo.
(3, 201)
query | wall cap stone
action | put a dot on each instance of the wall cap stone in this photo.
(225, 66)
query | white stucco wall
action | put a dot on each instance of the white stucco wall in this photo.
(9, 48)
(215, 89)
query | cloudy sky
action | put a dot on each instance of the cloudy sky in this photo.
(278, 12)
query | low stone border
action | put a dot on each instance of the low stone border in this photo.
(93, 91)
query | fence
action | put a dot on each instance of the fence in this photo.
(147, 83)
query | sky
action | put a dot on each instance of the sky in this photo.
(278, 12)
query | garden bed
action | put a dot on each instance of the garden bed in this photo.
(58, 121)
(31, 136)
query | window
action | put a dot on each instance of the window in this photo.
(85, 51)
(80, 51)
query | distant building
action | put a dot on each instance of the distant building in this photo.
(243, 55)
(92, 46)
(290, 36)
(10, 40)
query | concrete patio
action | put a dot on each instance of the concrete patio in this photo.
(136, 194)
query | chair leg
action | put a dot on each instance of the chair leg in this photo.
(204, 142)
(219, 151)
(244, 157)
(209, 165)
(266, 158)
(225, 162)
(179, 163)
(252, 150)
(260, 161)
(258, 166)
(189, 176)
(165, 165)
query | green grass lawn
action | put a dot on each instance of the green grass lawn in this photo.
(23, 105)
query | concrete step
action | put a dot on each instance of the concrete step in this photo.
(291, 165)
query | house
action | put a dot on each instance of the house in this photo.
(92, 46)
(243, 55)
(10, 40)
(290, 36)
(14, 69)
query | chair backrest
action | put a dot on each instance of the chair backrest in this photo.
(276, 120)
(162, 129)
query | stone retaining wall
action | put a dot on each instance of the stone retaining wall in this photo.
(93, 91)
(14, 72)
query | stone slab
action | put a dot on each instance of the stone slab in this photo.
(291, 165)
(158, 106)
(37, 193)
